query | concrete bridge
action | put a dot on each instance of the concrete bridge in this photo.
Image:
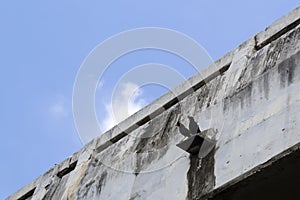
(249, 103)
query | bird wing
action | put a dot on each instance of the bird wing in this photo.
(184, 131)
(193, 126)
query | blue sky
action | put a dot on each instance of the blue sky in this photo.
(43, 44)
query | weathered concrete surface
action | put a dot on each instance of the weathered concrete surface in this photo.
(276, 179)
(250, 97)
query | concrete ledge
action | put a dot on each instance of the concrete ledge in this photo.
(278, 28)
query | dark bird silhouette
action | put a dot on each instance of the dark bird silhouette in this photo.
(194, 128)
(183, 130)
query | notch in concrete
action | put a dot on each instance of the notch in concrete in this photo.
(67, 170)
(47, 186)
(275, 36)
(224, 69)
(27, 195)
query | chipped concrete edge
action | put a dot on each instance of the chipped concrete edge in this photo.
(263, 38)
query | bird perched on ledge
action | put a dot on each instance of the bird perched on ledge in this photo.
(193, 128)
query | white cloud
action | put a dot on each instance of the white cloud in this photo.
(126, 102)
(58, 108)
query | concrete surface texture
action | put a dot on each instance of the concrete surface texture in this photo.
(248, 99)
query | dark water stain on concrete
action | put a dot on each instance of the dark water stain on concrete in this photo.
(155, 147)
(92, 181)
(266, 84)
(201, 177)
(57, 188)
(52, 189)
(241, 97)
(272, 55)
(101, 182)
(287, 70)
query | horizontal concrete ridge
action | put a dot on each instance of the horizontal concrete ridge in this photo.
(248, 99)
(278, 28)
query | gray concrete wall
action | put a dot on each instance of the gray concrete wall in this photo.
(249, 99)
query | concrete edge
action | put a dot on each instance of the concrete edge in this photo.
(285, 23)
(255, 170)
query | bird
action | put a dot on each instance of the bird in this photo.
(183, 130)
(193, 126)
